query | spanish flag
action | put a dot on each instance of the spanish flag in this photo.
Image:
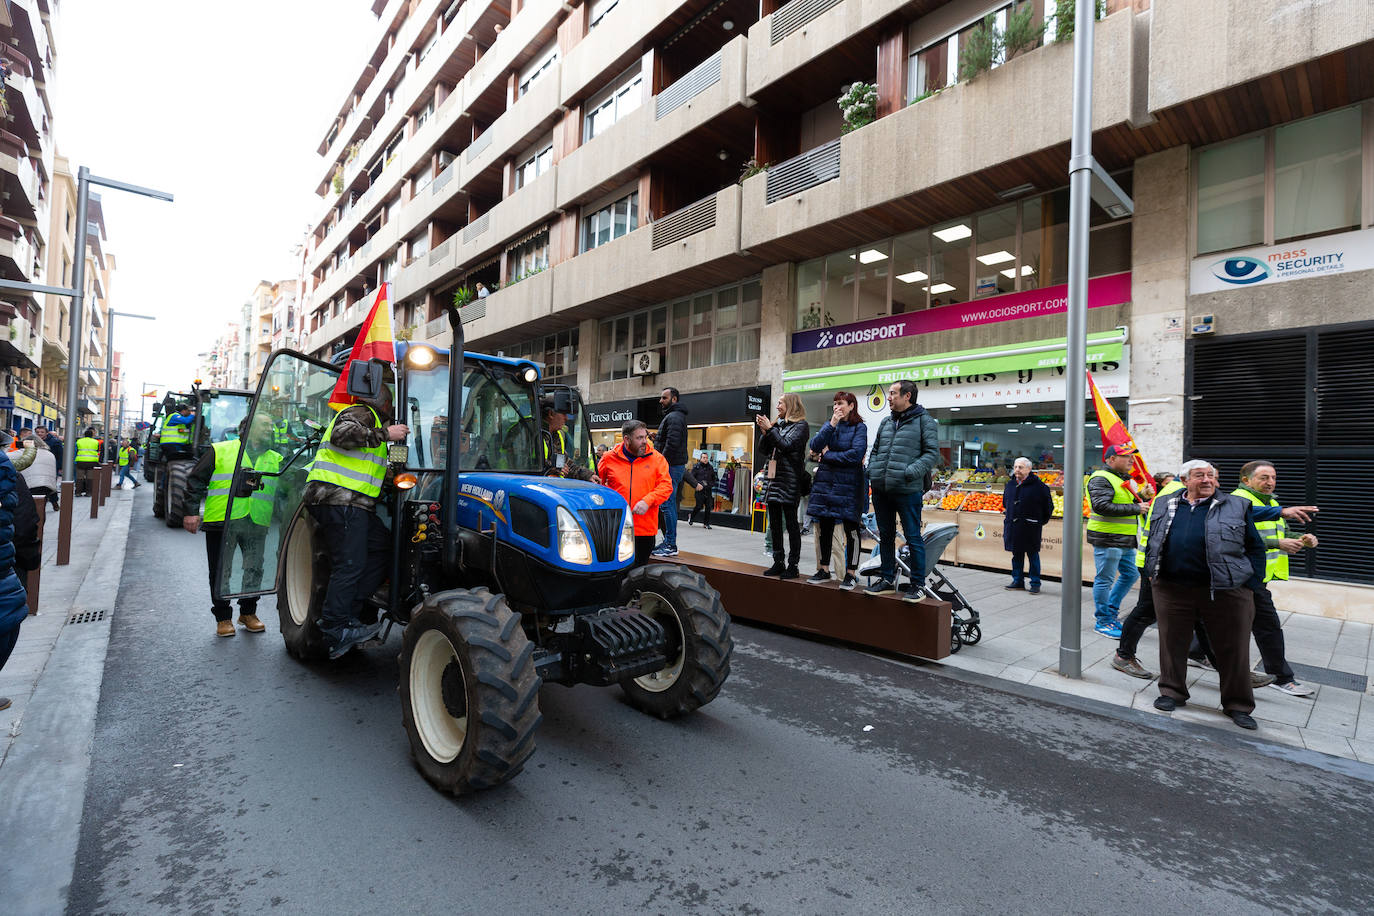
(375, 341)
(1114, 432)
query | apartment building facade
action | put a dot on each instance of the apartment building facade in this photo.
(666, 192)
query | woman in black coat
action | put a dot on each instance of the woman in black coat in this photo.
(1027, 505)
(784, 442)
(839, 490)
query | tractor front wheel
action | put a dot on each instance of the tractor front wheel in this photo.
(178, 474)
(469, 691)
(304, 577)
(699, 643)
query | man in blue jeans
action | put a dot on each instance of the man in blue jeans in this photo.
(672, 442)
(905, 450)
(1112, 527)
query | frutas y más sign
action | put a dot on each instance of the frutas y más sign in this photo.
(1102, 291)
(1270, 264)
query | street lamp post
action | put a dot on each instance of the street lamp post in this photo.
(1088, 182)
(109, 362)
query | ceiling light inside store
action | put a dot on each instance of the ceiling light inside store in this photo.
(1012, 406)
(1041, 426)
(1057, 429)
(1013, 430)
(728, 24)
(871, 255)
(953, 233)
(954, 408)
(942, 288)
(1010, 272)
(997, 257)
(912, 277)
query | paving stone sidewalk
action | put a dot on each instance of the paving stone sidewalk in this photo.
(1021, 644)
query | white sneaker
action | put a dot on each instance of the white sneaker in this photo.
(1294, 689)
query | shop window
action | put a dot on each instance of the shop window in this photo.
(910, 271)
(1230, 196)
(613, 103)
(610, 222)
(874, 267)
(1317, 175)
(949, 262)
(837, 307)
(995, 255)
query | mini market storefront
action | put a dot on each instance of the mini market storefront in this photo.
(719, 423)
(993, 406)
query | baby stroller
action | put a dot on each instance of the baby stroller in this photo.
(964, 620)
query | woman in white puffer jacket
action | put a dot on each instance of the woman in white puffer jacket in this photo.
(41, 474)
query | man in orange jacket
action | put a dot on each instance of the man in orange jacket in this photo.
(637, 472)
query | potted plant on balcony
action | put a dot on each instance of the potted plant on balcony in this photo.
(752, 168)
(859, 106)
(1064, 18)
(338, 180)
(462, 297)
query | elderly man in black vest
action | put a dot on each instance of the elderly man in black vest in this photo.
(1204, 561)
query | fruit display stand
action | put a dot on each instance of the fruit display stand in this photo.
(975, 505)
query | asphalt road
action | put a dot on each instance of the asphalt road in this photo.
(229, 778)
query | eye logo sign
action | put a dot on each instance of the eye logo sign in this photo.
(1241, 271)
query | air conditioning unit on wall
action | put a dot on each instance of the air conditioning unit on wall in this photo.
(645, 362)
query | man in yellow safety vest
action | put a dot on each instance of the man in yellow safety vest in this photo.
(341, 493)
(87, 457)
(1113, 521)
(211, 479)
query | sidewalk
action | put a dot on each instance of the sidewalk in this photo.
(54, 679)
(1021, 644)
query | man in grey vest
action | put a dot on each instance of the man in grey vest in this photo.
(1204, 561)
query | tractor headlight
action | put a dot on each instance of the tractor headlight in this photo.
(627, 538)
(572, 543)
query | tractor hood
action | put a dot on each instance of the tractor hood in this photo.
(524, 512)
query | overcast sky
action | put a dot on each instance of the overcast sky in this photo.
(224, 106)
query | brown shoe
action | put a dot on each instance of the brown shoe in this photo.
(5, 702)
(224, 628)
(251, 623)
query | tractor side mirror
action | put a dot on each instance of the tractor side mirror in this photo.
(365, 379)
(563, 403)
(157, 410)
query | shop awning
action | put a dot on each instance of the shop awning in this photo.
(1034, 354)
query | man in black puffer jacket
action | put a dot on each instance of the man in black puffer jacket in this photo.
(906, 449)
(672, 442)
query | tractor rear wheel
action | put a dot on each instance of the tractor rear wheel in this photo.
(178, 472)
(304, 577)
(699, 643)
(159, 497)
(469, 691)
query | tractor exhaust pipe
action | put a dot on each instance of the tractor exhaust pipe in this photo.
(449, 511)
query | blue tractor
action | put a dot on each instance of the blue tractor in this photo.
(504, 575)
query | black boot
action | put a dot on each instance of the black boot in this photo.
(791, 572)
(776, 569)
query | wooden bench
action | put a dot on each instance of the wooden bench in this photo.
(921, 629)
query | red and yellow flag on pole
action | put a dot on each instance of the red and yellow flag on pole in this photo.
(1114, 432)
(375, 341)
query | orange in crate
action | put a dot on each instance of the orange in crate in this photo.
(952, 501)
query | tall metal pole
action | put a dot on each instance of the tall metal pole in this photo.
(83, 198)
(1080, 202)
(109, 377)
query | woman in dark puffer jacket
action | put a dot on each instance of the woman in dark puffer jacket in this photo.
(838, 493)
(13, 600)
(784, 442)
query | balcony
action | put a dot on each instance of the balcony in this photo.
(16, 252)
(18, 344)
(513, 306)
(534, 26)
(800, 37)
(532, 204)
(532, 116)
(18, 179)
(1012, 124)
(695, 247)
(606, 52)
(1200, 49)
(27, 114)
(715, 88)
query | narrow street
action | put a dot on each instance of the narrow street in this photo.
(229, 778)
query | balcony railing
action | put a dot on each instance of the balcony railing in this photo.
(678, 225)
(476, 227)
(795, 15)
(476, 146)
(698, 80)
(441, 252)
(444, 178)
(811, 168)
